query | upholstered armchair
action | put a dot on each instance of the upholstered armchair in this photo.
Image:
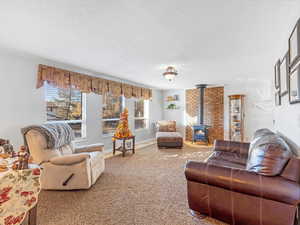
(166, 135)
(67, 167)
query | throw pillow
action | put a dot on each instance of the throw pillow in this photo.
(268, 155)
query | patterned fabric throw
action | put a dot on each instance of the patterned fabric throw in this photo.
(57, 134)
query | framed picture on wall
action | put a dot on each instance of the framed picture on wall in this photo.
(277, 74)
(294, 85)
(284, 72)
(277, 98)
(294, 45)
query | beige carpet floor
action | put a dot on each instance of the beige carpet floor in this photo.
(148, 188)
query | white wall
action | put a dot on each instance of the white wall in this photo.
(175, 114)
(286, 116)
(258, 105)
(21, 104)
(287, 120)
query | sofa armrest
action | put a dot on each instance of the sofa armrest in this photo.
(90, 148)
(274, 188)
(69, 159)
(241, 148)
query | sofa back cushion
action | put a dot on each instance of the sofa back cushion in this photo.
(292, 170)
(268, 154)
(166, 126)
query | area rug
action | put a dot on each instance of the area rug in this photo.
(148, 188)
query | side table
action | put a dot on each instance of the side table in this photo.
(123, 148)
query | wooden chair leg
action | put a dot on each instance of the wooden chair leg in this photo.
(114, 147)
(133, 143)
(124, 147)
(32, 214)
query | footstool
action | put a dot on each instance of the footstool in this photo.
(169, 140)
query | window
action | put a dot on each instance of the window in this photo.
(66, 105)
(112, 108)
(141, 114)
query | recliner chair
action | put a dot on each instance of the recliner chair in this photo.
(66, 168)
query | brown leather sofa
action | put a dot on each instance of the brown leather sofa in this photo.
(245, 184)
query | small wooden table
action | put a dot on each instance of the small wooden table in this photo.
(123, 148)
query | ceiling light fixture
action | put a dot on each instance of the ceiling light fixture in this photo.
(170, 73)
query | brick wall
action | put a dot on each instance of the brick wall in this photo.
(213, 111)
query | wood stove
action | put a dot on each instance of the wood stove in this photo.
(200, 131)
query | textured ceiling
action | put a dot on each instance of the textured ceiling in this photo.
(209, 41)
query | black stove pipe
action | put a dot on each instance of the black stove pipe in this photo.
(201, 88)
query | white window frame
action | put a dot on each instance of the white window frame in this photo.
(82, 121)
(145, 117)
(110, 119)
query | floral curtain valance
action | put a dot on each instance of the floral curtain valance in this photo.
(86, 84)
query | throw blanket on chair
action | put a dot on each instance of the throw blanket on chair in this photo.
(57, 134)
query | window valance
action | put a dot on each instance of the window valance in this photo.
(86, 84)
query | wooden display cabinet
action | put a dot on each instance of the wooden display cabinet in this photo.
(236, 117)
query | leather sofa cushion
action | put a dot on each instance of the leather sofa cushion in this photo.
(268, 155)
(292, 170)
(224, 163)
(229, 156)
(239, 148)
